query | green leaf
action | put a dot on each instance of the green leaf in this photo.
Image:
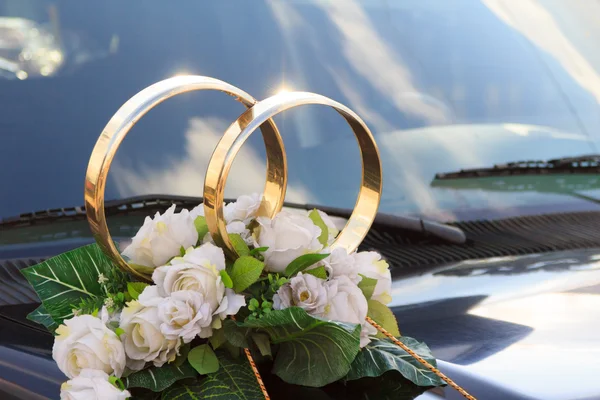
(227, 282)
(158, 379)
(367, 285)
(381, 356)
(239, 245)
(135, 289)
(70, 277)
(203, 359)
(312, 351)
(235, 334)
(319, 272)
(217, 338)
(303, 262)
(318, 221)
(262, 342)
(234, 381)
(41, 316)
(119, 331)
(117, 382)
(182, 251)
(184, 390)
(382, 314)
(390, 386)
(201, 227)
(258, 250)
(245, 271)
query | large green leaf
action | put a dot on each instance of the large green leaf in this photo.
(312, 351)
(66, 279)
(235, 334)
(381, 356)
(389, 386)
(234, 380)
(158, 379)
(41, 316)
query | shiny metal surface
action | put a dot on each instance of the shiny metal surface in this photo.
(520, 327)
(218, 168)
(129, 114)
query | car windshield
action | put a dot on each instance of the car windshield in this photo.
(443, 86)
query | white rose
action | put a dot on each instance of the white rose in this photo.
(198, 271)
(206, 255)
(197, 211)
(287, 236)
(161, 238)
(142, 337)
(347, 303)
(243, 209)
(371, 265)
(341, 263)
(85, 342)
(305, 291)
(91, 384)
(184, 314)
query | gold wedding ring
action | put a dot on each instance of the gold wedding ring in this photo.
(129, 114)
(219, 165)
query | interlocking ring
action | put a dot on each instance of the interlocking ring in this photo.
(129, 114)
(219, 165)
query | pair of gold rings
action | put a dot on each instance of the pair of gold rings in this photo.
(258, 115)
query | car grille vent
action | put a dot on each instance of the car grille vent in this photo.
(409, 253)
(14, 288)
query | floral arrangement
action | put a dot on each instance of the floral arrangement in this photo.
(288, 309)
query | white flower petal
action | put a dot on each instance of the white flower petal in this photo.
(91, 385)
(85, 342)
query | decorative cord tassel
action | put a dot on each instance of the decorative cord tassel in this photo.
(421, 360)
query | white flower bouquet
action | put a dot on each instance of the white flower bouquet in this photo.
(298, 307)
(235, 301)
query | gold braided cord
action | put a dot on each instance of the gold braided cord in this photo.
(420, 359)
(263, 388)
(257, 374)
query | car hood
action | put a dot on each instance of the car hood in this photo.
(513, 327)
(505, 328)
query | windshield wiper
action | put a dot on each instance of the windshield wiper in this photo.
(148, 204)
(399, 223)
(586, 164)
